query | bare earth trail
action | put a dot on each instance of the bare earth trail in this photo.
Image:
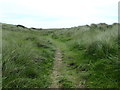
(61, 71)
(56, 69)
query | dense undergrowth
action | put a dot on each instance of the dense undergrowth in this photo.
(93, 53)
(27, 59)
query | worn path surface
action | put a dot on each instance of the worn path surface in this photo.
(61, 71)
(56, 70)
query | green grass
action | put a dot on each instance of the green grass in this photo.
(27, 59)
(90, 54)
(94, 52)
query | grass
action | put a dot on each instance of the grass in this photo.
(27, 59)
(90, 54)
(94, 52)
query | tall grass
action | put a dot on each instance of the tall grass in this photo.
(95, 51)
(27, 59)
(90, 50)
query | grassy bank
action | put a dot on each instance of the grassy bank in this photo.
(27, 59)
(93, 53)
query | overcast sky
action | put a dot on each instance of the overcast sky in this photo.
(58, 13)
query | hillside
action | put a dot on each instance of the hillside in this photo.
(77, 57)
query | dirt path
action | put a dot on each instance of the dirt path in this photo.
(63, 76)
(56, 70)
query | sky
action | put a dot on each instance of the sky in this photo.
(58, 13)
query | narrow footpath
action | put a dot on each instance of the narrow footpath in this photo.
(63, 76)
(56, 70)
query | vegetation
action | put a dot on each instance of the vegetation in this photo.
(90, 53)
(93, 53)
(27, 59)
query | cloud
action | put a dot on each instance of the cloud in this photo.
(58, 13)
